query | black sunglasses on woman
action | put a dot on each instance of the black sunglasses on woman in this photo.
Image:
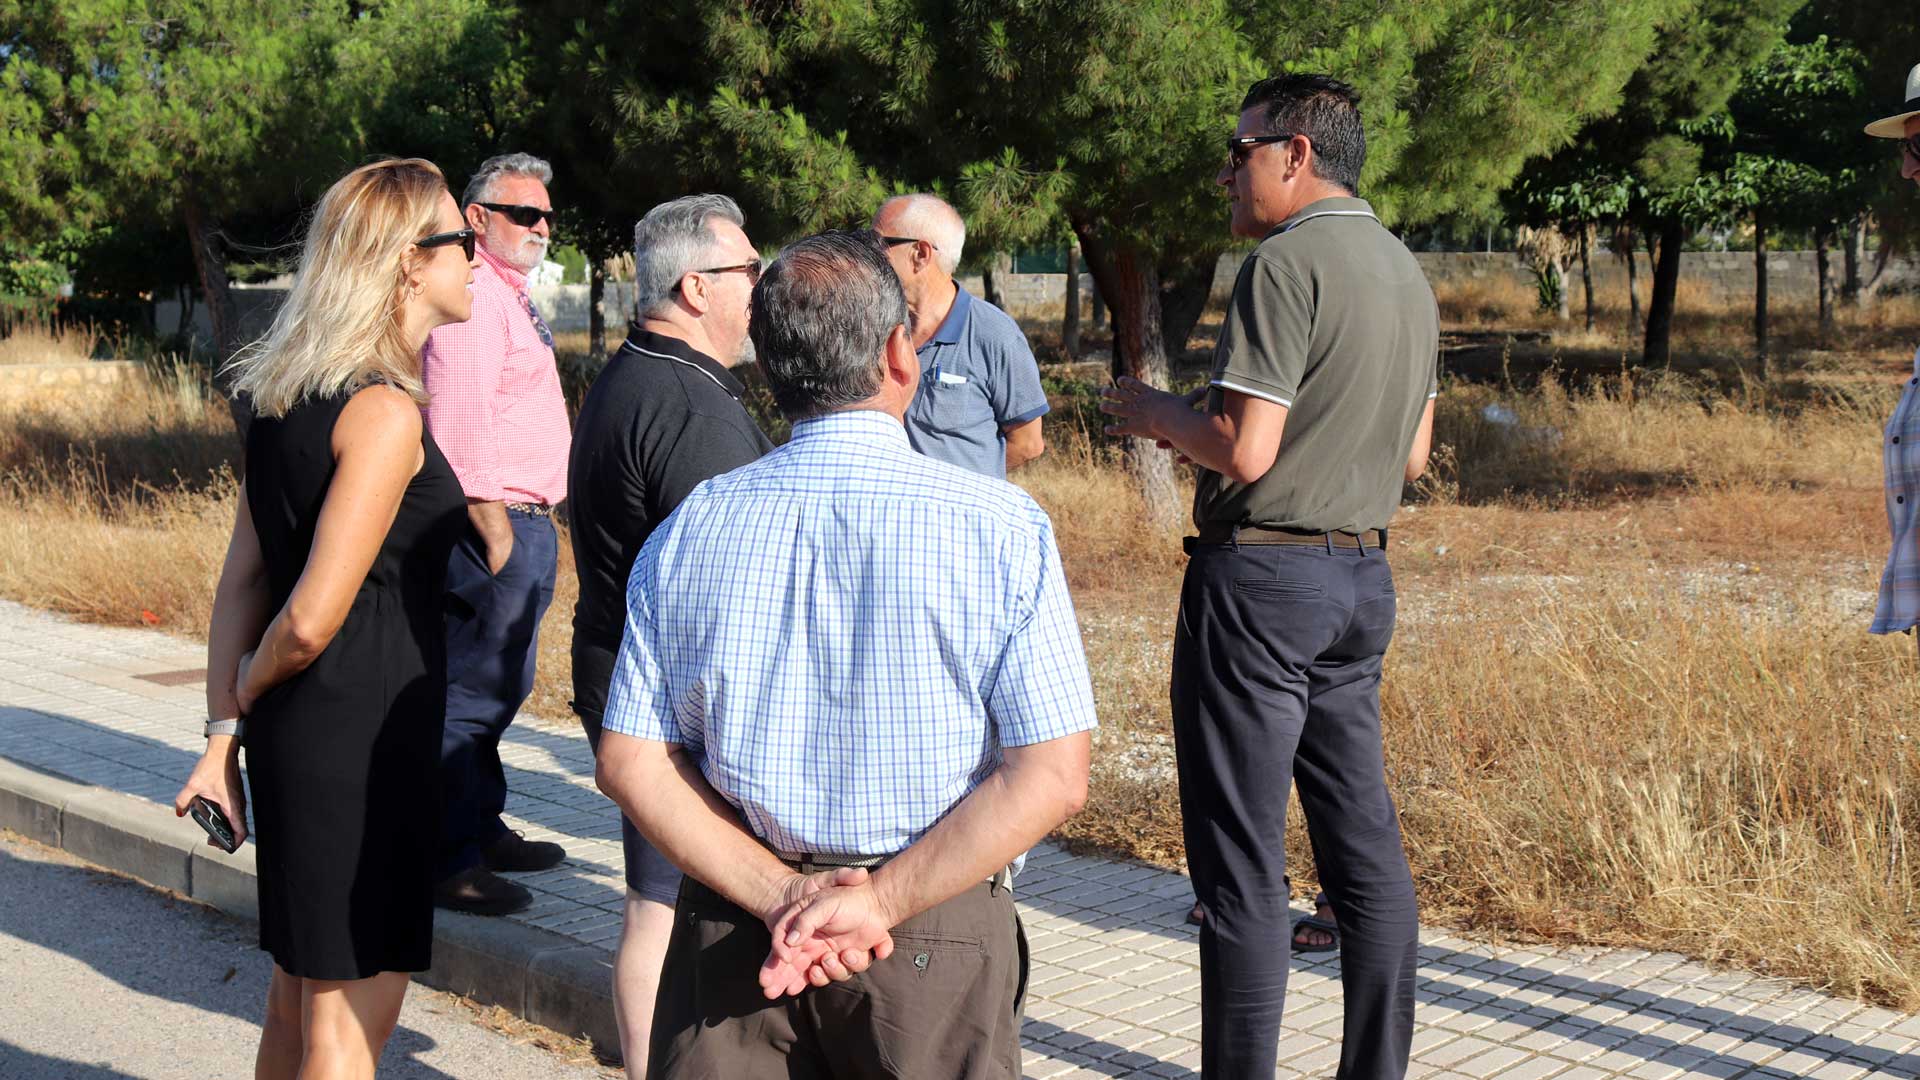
(463, 237)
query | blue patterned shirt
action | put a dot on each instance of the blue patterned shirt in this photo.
(845, 633)
(1899, 606)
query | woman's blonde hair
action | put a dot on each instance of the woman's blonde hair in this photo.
(340, 326)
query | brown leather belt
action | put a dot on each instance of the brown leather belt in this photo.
(1259, 534)
(808, 862)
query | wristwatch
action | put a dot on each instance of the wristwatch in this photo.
(225, 727)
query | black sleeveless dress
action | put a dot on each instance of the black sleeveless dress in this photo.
(344, 757)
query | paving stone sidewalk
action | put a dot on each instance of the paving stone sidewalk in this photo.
(1115, 988)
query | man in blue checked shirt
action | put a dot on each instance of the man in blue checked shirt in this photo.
(850, 696)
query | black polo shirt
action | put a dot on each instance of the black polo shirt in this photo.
(659, 419)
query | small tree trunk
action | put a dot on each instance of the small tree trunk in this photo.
(1665, 242)
(203, 233)
(1586, 273)
(1099, 306)
(596, 308)
(1139, 350)
(1565, 309)
(1854, 238)
(1184, 288)
(994, 278)
(1633, 287)
(1760, 289)
(1070, 324)
(1823, 274)
(1882, 258)
(1132, 283)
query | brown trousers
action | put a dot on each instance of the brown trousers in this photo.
(945, 1004)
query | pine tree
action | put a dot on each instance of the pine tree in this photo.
(1112, 115)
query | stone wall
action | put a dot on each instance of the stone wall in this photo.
(52, 383)
(1719, 277)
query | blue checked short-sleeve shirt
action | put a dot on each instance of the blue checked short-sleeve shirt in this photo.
(845, 633)
(1899, 606)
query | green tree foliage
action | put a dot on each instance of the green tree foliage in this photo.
(1788, 153)
(201, 112)
(1112, 115)
(1652, 145)
(1887, 35)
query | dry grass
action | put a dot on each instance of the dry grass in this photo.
(117, 509)
(40, 341)
(1632, 700)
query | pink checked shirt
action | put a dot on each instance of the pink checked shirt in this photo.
(495, 405)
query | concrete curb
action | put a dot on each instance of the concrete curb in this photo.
(535, 974)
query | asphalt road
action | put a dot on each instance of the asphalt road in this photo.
(102, 977)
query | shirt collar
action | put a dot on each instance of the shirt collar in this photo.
(956, 321)
(862, 424)
(1342, 205)
(644, 341)
(507, 273)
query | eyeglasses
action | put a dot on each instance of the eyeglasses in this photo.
(463, 237)
(1911, 144)
(1239, 147)
(896, 241)
(521, 215)
(751, 270)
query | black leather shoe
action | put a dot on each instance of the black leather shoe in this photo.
(479, 892)
(513, 853)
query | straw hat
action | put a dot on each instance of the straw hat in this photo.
(1894, 127)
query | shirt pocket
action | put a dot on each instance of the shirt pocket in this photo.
(955, 400)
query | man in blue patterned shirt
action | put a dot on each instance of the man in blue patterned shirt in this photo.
(850, 696)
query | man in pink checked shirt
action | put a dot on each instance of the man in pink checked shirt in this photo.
(497, 412)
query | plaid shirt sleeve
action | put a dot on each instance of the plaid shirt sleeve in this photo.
(639, 702)
(1041, 690)
(462, 364)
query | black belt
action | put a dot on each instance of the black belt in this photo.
(1256, 535)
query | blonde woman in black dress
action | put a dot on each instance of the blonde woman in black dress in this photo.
(326, 645)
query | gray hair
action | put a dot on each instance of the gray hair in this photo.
(822, 313)
(674, 238)
(933, 219)
(499, 167)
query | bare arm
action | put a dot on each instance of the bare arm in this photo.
(1422, 445)
(1240, 442)
(663, 793)
(376, 448)
(496, 531)
(241, 607)
(1024, 443)
(665, 796)
(1035, 788)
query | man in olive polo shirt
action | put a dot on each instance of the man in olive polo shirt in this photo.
(1319, 408)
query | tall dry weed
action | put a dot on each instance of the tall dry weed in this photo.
(1650, 431)
(1668, 762)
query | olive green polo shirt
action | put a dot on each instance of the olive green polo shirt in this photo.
(1332, 318)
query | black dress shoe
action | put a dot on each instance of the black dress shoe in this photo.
(513, 853)
(480, 892)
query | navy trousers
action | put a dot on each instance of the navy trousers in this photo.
(493, 628)
(1276, 682)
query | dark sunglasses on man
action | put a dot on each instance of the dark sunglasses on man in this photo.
(463, 237)
(1239, 147)
(751, 269)
(1911, 144)
(521, 214)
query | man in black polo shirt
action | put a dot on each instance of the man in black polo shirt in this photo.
(663, 416)
(1319, 408)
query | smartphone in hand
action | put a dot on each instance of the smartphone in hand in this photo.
(214, 820)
